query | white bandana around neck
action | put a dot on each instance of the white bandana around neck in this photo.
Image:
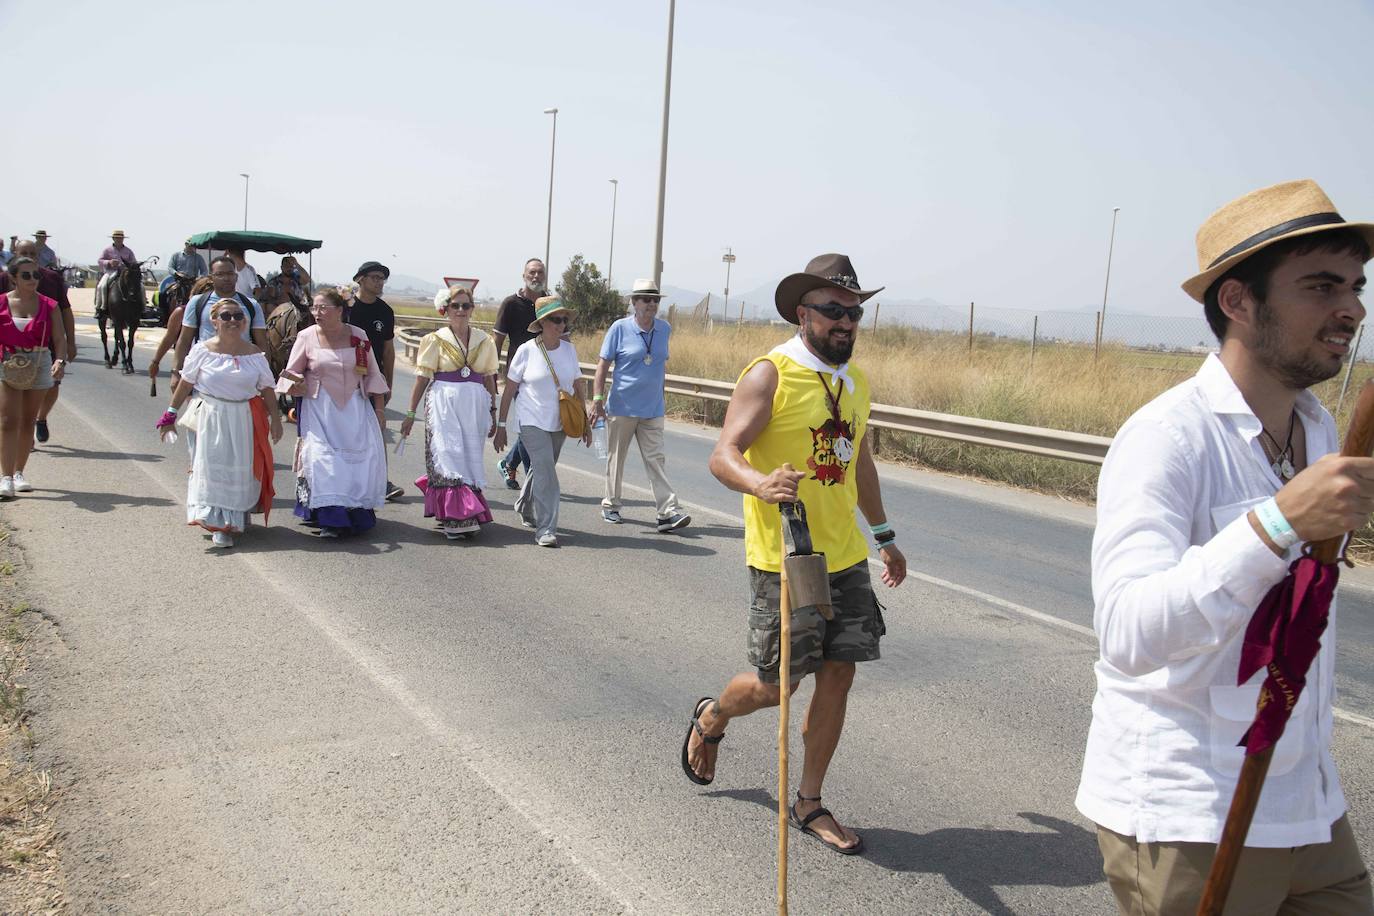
(795, 350)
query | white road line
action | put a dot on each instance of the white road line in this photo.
(458, 743)
(1020, 609)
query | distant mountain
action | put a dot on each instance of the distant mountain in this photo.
(404, 283)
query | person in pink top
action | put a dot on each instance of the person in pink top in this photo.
(340, 460)
(28, 324)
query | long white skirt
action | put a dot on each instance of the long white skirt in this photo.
(340, 458)
(222, 489)
(457, 421)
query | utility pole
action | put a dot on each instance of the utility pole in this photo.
(729, 259)
(663, 149)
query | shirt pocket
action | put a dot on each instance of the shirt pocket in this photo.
(1232, 711)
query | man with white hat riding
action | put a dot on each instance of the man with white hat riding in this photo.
(637, 347)
(115, 257)
(1206, 496)
(47, 258)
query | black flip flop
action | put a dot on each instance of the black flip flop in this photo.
(696, 726)
(803, 824)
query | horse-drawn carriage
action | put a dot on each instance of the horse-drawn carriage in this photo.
(126, 302)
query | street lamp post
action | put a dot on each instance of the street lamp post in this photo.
(1111, 244)
(663, 149)
(610, 261)
(553, 146)
(244, 176)
(728, 258)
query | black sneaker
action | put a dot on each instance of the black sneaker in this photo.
(673, 522)
(393, 492)
(40, 431)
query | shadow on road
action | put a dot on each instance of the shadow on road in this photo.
(98, 502)
(54, 450)
(975, 861)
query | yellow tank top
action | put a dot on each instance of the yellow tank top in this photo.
(803, 433)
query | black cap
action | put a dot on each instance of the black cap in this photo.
(369, 266)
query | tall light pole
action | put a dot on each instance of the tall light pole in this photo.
(1111, 244)
(610, 261)
(663, 149)
(728, 258)
(553, 146)
(244, 176)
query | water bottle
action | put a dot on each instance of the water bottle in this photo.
(599, 439)
(169, 435)
(401, 445)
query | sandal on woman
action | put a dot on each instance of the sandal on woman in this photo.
(709, 739)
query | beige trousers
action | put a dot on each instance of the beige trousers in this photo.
(648, 433)
(1166, 879)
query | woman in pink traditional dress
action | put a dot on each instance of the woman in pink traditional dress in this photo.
(340, 462)
(457, 365)
(27, 325)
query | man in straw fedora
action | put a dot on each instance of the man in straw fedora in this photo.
(636, 346)
(115, 256)
(1205, 497)
(795, 430)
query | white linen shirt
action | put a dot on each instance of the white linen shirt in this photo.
(1177, 574)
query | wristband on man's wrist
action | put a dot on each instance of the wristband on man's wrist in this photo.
(1275, 525)
(500, 424)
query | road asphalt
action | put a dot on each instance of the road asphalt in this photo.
(402, 724)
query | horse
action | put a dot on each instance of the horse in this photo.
(124, 301)
(177, 294)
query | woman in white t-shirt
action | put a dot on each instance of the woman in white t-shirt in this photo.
(538, 371)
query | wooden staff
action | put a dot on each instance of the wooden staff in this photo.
(1359, 442)
(784, 710)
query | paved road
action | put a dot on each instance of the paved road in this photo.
(403, 724)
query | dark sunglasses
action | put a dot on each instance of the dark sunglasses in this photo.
(231, 316)
(462, 306)
(557, 319)
(834, 311)
(28, 275)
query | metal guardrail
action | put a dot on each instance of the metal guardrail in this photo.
(1030, 440)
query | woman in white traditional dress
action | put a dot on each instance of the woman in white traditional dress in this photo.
(235, 421)
(457, 365)
(340, 463)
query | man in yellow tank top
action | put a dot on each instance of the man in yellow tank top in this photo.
(804, 406)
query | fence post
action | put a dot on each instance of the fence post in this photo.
(1035, 335)
(970, 329)
(876, 307)
(1345, 385)
(1097, 334)
(741, 313)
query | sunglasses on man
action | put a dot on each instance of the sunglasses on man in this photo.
(834, 311)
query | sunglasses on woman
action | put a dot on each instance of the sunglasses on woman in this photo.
(834, 311)
(462, 306)
(557, 319)
(28, 275)
(231, 316)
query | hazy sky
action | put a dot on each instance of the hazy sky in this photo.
(961, 151)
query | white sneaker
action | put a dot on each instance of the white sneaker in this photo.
(21, 484)
(222, 539)
(6, 488)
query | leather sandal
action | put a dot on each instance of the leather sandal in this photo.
(709, 739)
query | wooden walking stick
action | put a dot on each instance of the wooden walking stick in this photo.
(805, 582)
(1283, 636)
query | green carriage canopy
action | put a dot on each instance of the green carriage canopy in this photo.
(254, 241)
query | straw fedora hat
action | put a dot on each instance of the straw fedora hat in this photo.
(117, 234)
(545, 306)
(1259, 219)
(825, 271)
(645, 289)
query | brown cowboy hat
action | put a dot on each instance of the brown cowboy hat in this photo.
(1259, 219)
(825, 271)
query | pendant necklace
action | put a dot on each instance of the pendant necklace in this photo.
(649, 345)
(1282, 460)
(464, 372)
(843, 445)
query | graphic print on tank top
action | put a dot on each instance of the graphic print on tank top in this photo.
(832, 443)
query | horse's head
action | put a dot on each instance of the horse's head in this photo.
(130, 280)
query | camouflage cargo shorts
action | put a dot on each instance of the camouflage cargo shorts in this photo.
(851, 637)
